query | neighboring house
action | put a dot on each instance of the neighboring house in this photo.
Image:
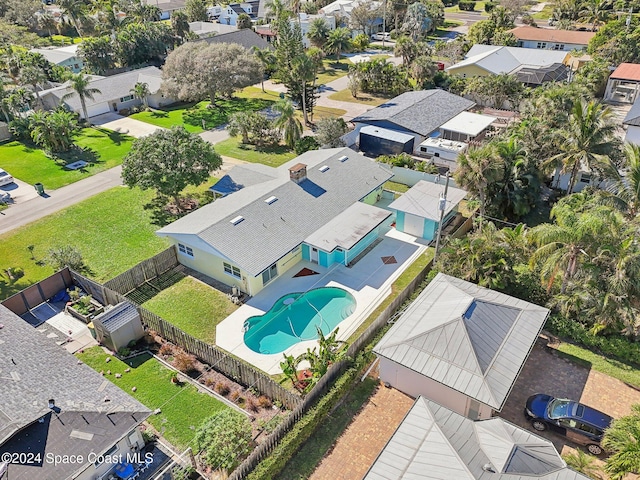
(305, 24)
(624, 83)
(53, 405)
(317, 207)
(62, 56)
(584, 178)
(484, 60)
(167, 7)
(460, 345)
(208, 29)
(632, 124)
(536, 76)
(551, 39)
(418, 210)
(434, 442)
(246, 37)
(228, 14)
(115, 93)
(418, 114)
(341, 9)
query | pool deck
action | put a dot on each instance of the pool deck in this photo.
(369, 281)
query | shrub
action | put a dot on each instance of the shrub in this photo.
(265, 402)
(252, 404)
(67, 256)
(124, 352)
(225, 439)
(166, 349)
(209, 382)
(234, 395)
(489, 6)
(360, 42)
(223, 388)
(184, 362)
(305, 144)
(467, 6)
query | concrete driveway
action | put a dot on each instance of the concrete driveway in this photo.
(20, 191)
(127, 125)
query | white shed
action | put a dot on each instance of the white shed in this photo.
(118, 326)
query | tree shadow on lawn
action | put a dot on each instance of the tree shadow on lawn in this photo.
(77, 154)
(274, 149)
(214, 116)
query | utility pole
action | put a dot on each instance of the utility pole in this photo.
(442, 205)
(384, 20)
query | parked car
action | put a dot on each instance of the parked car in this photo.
(579, 423)
(5, 178)
(5, 197)
(381, 36)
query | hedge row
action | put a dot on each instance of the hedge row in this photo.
(467, 6)
(293, 440)
(614, 346)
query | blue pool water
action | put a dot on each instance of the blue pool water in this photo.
(294, 317)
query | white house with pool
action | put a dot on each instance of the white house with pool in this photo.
(305, 241)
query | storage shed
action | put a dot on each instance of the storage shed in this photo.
(375, 141)
(118, 326)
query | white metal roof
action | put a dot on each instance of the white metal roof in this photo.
(386, 133)
(498, 59)
(468, 123)
(424, 197)
(443, 144)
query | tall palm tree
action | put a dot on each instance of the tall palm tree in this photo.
(141, 91)
(76, 10)
(266, 57)
(595, 12)
(626, 189)
(304, 69)
(276, 9)
(477, 168)
(318, 32)
(33, 75)
(80, 84)
(287, 122)
(587, 141)
(338, 41)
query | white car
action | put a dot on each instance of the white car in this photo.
(381, 36)
(5, 178)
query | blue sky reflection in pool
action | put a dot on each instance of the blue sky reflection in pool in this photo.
(294, 317)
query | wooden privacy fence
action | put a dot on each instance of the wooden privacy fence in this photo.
(143, 272)
(240, 372)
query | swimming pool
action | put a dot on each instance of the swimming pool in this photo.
(294, 317)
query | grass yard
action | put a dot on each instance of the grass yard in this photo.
(272, 156)
(545, 13)
(183, 407)
(102, 148)
(455, 9)
(332, 70)
(112, 230)
(396, 187)
(364, 98)
(320, 112)
(313, 450)
(193, 307)
(609, 366)
(192, 115)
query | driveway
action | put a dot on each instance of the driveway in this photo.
(127, 125)
(20, 191)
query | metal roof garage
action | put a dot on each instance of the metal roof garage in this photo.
(375, 141)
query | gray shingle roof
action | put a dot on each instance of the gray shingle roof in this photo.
(432, 442)
(633, 116)
(270, 231)
(111, 88)
(242, 176)
(467, 337)
(246, 37)
(421, 112)
(117, 316)
(35, 369)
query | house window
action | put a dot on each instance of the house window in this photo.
(541, 45)
(585, 178)
(231, 270)
(185, 250)
(436, 154)
(100, 459)
(76, 66)
(269, 274)
(558, 46)
(127, 98)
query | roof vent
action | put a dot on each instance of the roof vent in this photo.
(343, 158)
(487, 467)
(237, 219)
(324, 168)
(270, 200)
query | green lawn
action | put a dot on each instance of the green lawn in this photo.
(191, 115)
(396, 187)
(272, 156)
(455, 9)
(112, 230)
(102, 148)
(182, 407)
(608, 366)
(364, 98)
(193, 307)
(332, 70)
(545, 13)
(313, 450)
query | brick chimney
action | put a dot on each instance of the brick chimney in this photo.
(298, 173)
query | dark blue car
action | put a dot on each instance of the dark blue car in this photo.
(579, 423)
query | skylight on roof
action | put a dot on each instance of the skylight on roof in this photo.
(324, 168)
(270, 200)
(237, 219)
(343, 158)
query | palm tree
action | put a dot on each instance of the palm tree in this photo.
(338, 41)
(318, 32)
(75, 10)
(422, 69)
(477, 168)
(47, 22)
(304, 69)
(587, 141)
(595, 12)
(622, 438)
(80, 84)
(266, 57)
(141, 91)
(287, 122)
(276, 9)
(289, 368)
(583, 463)
(34, 76)
(626, 189)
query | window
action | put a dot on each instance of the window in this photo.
(541, 45)
(231, 270)
(76, 66)
(567, 423)
(127, 98)
(185, 250)
(585, 178)
(558, 46)
(436, 154)
(269, 274)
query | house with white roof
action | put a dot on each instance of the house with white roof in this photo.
(342, 9)
(434, 439)
(551, 38)
(460, 345)
(66, 56)
(317, 207)
(484, 60)
(115, 93)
